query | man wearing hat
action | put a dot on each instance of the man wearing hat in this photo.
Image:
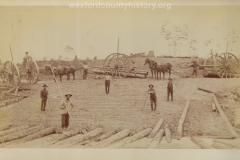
(195, 68)
(66, 106)
(134, 68)
(44, 96)
(170, 89)
(85, 70)
(108, 79)
(153, 97)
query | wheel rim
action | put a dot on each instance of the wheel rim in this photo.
(33, 72)
(227, 65)
(11, 74)
(121, 60)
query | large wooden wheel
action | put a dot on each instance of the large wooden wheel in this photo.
(227, 65)
(11, 74)
(32, 71)
(118, 63)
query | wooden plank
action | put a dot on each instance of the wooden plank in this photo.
(181, 121)
(222, 114)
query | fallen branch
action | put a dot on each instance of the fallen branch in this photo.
(168, 136)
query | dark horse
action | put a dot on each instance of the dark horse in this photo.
(151, 64)
(64, 70)
(167, 67)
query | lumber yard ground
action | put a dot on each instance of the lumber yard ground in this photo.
(123, 108)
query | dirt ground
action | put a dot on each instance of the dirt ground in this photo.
(124, 106)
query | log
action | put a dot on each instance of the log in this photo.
(131, 75)
(5, 127)
(155, 129)
(230, 127)
(205, 90)
(16, 90)
(157, 139)
(210, 74)
(78, 138)
(61, 137)
(218, 145)
(232, 145)
(213, 107)
(23, 89)
(120, 135)
(21, 134)
(168, 136)
(133, 138)
(13, 130)
(237, 118)
(12, 89)
(106, 135)
(31, 137)
(181, 121)
(199, 142)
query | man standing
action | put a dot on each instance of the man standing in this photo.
(153, 97)
(134, 68)
(85, 70)
(44, 96)
(195, 68)
(170, 89)
(108, 79)
(66, 106)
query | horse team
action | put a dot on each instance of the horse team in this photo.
(156, 68)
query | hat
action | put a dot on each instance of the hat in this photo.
(44, 85)
(107, 72)
(68, 94)
(150, 85)
(170, 79)
(26, 52)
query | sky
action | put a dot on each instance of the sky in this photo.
(46, 31)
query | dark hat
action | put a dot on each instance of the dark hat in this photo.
(44, 85)
(170, 79)
(151, 85)
(26, 52)
(107, 72)
(68, 94)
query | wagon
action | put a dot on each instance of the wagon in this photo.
(28, 70)
(225, 65)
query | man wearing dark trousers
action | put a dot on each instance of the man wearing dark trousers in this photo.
(170, 88)
(153, 97)
(44, 96)
(66, 106)
(108, 79)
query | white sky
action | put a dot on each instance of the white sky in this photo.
(45, 31)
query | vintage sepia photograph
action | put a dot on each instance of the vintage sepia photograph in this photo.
(120, 75)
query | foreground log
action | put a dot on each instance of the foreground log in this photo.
(122, 134)
(157, 139)
(133, 138)
(21, 134)
(230, 144)
(210, 74)
(13, 130)
(31, 137)
(181, 121)
(218, 145)
(213, 107)
(230, 127)
(5, 127)
(106, 135)
(237, 118)
(168, 135)
(155, 129)
(201, 143)
(78, 138)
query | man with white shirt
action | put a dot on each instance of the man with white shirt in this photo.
(170, 89)
(66, 106)
(85, 70)
(108, 79)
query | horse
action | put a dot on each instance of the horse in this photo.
(167, 67)
(151, 64)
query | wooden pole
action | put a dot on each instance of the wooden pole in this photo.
(155, 129)
(11, 51)
(230, 127)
